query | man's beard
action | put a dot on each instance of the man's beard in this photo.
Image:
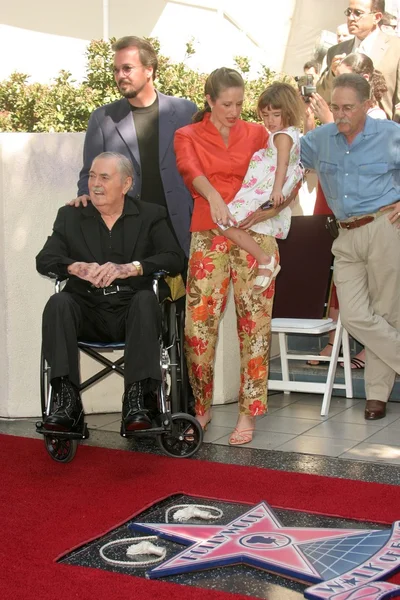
(130, 93)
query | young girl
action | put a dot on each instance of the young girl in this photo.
(272, 174)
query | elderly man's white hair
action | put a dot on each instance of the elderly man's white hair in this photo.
(124, 165)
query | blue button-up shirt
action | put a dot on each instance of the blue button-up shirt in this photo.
(360, 178)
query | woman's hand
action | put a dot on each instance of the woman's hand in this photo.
(220, 213)
(258, 216)
(263, 215)
(321, 109)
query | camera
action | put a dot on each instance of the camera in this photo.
(306, 86)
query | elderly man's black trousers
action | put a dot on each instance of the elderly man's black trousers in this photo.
(131, 318)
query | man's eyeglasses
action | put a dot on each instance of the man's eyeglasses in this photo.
(356, 14)
(347, 109)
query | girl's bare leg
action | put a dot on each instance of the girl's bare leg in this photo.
(244, 240)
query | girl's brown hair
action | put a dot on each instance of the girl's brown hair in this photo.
(282, 96)
(216, 82)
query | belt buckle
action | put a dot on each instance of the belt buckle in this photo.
(108, 292)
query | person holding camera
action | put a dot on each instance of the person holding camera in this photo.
(272, 174)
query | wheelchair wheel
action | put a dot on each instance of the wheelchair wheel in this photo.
(61, 450)
(184, 439)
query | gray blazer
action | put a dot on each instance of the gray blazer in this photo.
(386, 58)
(111, 128)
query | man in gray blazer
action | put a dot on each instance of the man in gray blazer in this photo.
(363, 17)
(141, 126)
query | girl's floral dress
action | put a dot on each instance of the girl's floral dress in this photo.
(259, 181)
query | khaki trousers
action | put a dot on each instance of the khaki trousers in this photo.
(367, 276)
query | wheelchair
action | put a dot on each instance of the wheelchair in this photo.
(178, 433)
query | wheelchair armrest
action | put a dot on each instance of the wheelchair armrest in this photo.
(57, 284)
(159, 275)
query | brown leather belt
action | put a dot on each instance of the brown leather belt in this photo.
(356, 223)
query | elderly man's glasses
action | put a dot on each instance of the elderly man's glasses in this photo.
(356, 14)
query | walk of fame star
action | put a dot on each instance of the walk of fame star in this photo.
(258, 539)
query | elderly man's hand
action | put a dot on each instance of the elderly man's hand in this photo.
(84, 199)
(87, 271)
(109, 272)
(394, 215)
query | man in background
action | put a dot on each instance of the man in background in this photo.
(363, 18)
(311, 67)
(388, 23)
(342, 33)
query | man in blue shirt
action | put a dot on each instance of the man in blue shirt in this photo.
(357, 160)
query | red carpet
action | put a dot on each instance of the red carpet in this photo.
(46, 509)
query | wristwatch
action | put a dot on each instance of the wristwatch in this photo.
(138, 267)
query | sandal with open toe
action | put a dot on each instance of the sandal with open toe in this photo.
(239, 437)
(262, 282)
(315, 363)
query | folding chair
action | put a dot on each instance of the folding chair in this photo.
(301, 303)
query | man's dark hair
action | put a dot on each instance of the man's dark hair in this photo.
(310, 64)
(147, 54)
(378, 6)
(356, 83)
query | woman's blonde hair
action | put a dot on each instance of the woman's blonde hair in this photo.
(284, 97)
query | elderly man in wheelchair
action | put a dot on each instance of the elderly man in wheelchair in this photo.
(108, 251)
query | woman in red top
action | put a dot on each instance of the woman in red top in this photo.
(212, 156)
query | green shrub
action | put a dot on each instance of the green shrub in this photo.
(65, 105)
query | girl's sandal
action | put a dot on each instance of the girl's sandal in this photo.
(262, 282)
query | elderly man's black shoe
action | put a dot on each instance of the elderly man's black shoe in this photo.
(375, 409)
(68, 414)
(134, 416)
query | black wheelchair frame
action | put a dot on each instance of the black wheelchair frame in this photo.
(178, 433)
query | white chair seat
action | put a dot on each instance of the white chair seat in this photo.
(284, 327)
(311, 326)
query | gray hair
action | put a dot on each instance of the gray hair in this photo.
(356, 83)
(124, 165)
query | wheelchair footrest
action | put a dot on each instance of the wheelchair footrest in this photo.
(66, 435)
(164, 423)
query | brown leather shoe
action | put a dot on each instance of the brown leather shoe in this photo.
(375, 409)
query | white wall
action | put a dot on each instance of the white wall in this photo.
(38, 175)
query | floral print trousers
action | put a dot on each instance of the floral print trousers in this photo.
(214, 262)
